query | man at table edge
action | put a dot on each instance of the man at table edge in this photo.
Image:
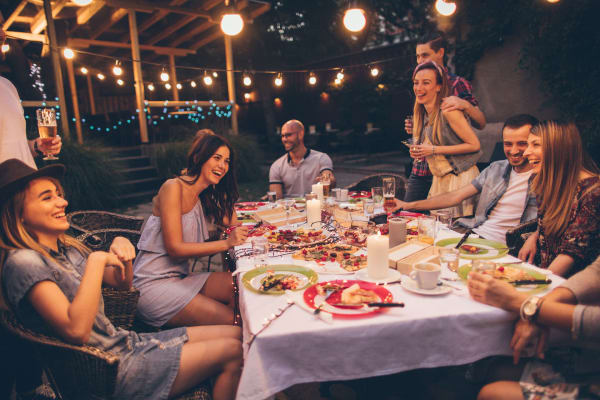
(504, 188)
(294, 173)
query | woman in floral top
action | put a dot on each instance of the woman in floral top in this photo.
(568, 193)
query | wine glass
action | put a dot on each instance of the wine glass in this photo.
(287, 204)
(46, 119)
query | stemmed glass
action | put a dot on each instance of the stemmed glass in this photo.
(287, 204)
(46, 119)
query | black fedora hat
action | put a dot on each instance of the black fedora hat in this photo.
(14, 174)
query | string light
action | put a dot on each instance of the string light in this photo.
(207, 79)
(178, 86)
(215, 75)
(375, 72)
(82, 3)
(247, 80)
(354, 19)
(247, 96)
(151, 87)
(5, 48)
(193, 83)
(168, 86)
(231, 22)
(120, 82)
(444, 8)
(84, 70)
(164, 76)
(312, 79)
(340, 75)
(100, 76)
(68, 53)
(117, 70)
(278, 80)
(337, 81)
(553, 1)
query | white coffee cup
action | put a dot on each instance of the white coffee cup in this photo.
(426, 275)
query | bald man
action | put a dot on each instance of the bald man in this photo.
(293, 174)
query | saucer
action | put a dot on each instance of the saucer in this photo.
(393, 275)
(412, 286)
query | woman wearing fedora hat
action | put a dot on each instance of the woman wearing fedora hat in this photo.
(53, 285)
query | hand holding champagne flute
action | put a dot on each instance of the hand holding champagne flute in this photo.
(47, 129)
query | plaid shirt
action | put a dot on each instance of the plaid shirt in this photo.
(459, 87)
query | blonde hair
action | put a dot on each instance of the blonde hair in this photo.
(419, 109)
(15, 235)
(556, 183)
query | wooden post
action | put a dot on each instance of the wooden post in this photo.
(60, 88)
(173, 75)
(137, 74)
(231, 83)
(91, 94)
(75, 101)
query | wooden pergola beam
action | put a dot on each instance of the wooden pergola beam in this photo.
(39, 21)
(154, 18)
(32, 37)
(171, 29)
(86, 13)
(23, 19)
(12, 17)
(115, 17)
(143, 6)
(208, 38)
(85, 43)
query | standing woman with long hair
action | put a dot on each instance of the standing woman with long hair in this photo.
(567, 189)
(176, 234)
(53, 283)
(445, 138)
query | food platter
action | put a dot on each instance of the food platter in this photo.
(255, 279)
(486, 249)
(527, 273)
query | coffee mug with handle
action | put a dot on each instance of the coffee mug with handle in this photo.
(426, 275)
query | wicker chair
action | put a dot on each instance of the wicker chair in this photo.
(86, 221)
(370, 181)
(516, 237)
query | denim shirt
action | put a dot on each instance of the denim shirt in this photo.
(492, 183)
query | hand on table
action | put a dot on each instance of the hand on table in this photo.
(421, 150)
(452, 103)
(526, 334)
(527, 252)
(49, 148)
(237, 236)
(485, 289)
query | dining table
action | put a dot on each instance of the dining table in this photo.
(287, 343)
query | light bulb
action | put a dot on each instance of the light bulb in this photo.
(553, 1)
(214, 74)
(101, 76)
(168, 86)
(84, 70)
(374, 71)
(444, 8)
(68, 53)
(5, 48)
(82, 3)
(312, 80)
(207, 80)
(151, 87)
(178, 86)
(340, 75)
(120, 82)
(164, 76)
(247, 96)
(232, 24)
(118, 71)
(247, 80)
(278, 80)
(354, 19)
(337, 81)
(193, 83)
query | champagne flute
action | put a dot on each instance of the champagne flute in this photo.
(46, 119)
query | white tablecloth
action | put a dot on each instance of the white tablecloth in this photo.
(431, 331)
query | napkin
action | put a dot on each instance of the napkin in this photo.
(298, 299)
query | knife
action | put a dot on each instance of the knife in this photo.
(376, 304)
(464, 238)
(531, 282)
(324, 302)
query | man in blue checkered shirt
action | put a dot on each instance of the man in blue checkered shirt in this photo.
(433, 48)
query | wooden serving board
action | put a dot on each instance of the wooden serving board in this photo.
(404, 256)
(276, 216)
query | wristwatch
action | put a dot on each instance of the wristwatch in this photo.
(530, 308)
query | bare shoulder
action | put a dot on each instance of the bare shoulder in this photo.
(453, 115)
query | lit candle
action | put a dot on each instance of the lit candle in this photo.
(317, 189)
(377, 256)
(313, 211)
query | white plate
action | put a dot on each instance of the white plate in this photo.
(393, 275)
(412, 286)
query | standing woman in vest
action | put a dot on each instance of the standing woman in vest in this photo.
(445, 138)
(176, 234)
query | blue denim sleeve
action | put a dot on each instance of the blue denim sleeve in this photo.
(21, 271)
(480, 180)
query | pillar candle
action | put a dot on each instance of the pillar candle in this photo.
(377, 256)
(397, 231)
(317, 189)
(313, 211)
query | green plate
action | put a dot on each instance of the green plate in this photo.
(254, 278)
(463, 273)
(489, 248)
